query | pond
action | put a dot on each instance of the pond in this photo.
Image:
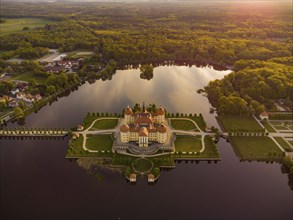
(37, 182)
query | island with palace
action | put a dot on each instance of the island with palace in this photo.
(142, 140)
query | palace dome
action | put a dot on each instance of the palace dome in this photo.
(160, 111)
(143, 132)
(162, 128)
(128, 111)
(124, 128)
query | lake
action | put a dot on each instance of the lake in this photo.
(37, 182)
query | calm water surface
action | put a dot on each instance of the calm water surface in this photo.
(37, 182)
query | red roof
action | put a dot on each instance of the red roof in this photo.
(264, 114)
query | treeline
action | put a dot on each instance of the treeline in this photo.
(252, 87)
(64, 35)
(153, 32)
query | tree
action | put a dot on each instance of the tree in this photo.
(146, 71)
(18, 112)
(51, 90)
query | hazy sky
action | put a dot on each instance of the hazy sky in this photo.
(128, 0)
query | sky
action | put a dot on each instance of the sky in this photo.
(128, 0)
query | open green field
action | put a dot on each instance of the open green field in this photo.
(80, 53)
(105, 124)
(268, 126)
(231, 123)
(99, 142)
(186, 143)
(14, 25)
(182, 124)
(29, 76)
(255, 148)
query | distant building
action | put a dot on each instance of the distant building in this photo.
(62, 65)
(143, 127)
(264, 115)
(132, 178)
(79, 127)
(151, 178)
(14, 91)
(29, 98)
(13, 103)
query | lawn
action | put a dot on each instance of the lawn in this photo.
(80, 54)
(231, 123)
(199, 120)
(211, 150)
(255, 148)
(75, 147)
(186, 143)
(14, 25)
(281, 127)
(268, 126)
(105, 124)
(182, 124)
(99, 142)
(142, 165)
(284, 144)
(276, 123)
(29, 76)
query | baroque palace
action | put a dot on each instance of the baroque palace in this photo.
(143, 127)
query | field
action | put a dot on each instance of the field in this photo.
(105, 124)
(29, 76)
(255, 148)
(182, 124)
(99, 142)
(231, 123)
(14, 25)
(187, 144)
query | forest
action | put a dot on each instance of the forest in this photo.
(253, 38)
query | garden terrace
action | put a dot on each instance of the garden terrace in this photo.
(286, 146)
(184, 143)
(91, 117)
(256, 148)
(239, 123)
(183, 124)
(99, 142)
(104, 124)
(267, 126)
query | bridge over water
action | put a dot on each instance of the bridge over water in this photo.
(33, 132)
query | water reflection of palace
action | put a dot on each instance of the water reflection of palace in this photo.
(143, 127)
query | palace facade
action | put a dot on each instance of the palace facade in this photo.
(143, 127)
